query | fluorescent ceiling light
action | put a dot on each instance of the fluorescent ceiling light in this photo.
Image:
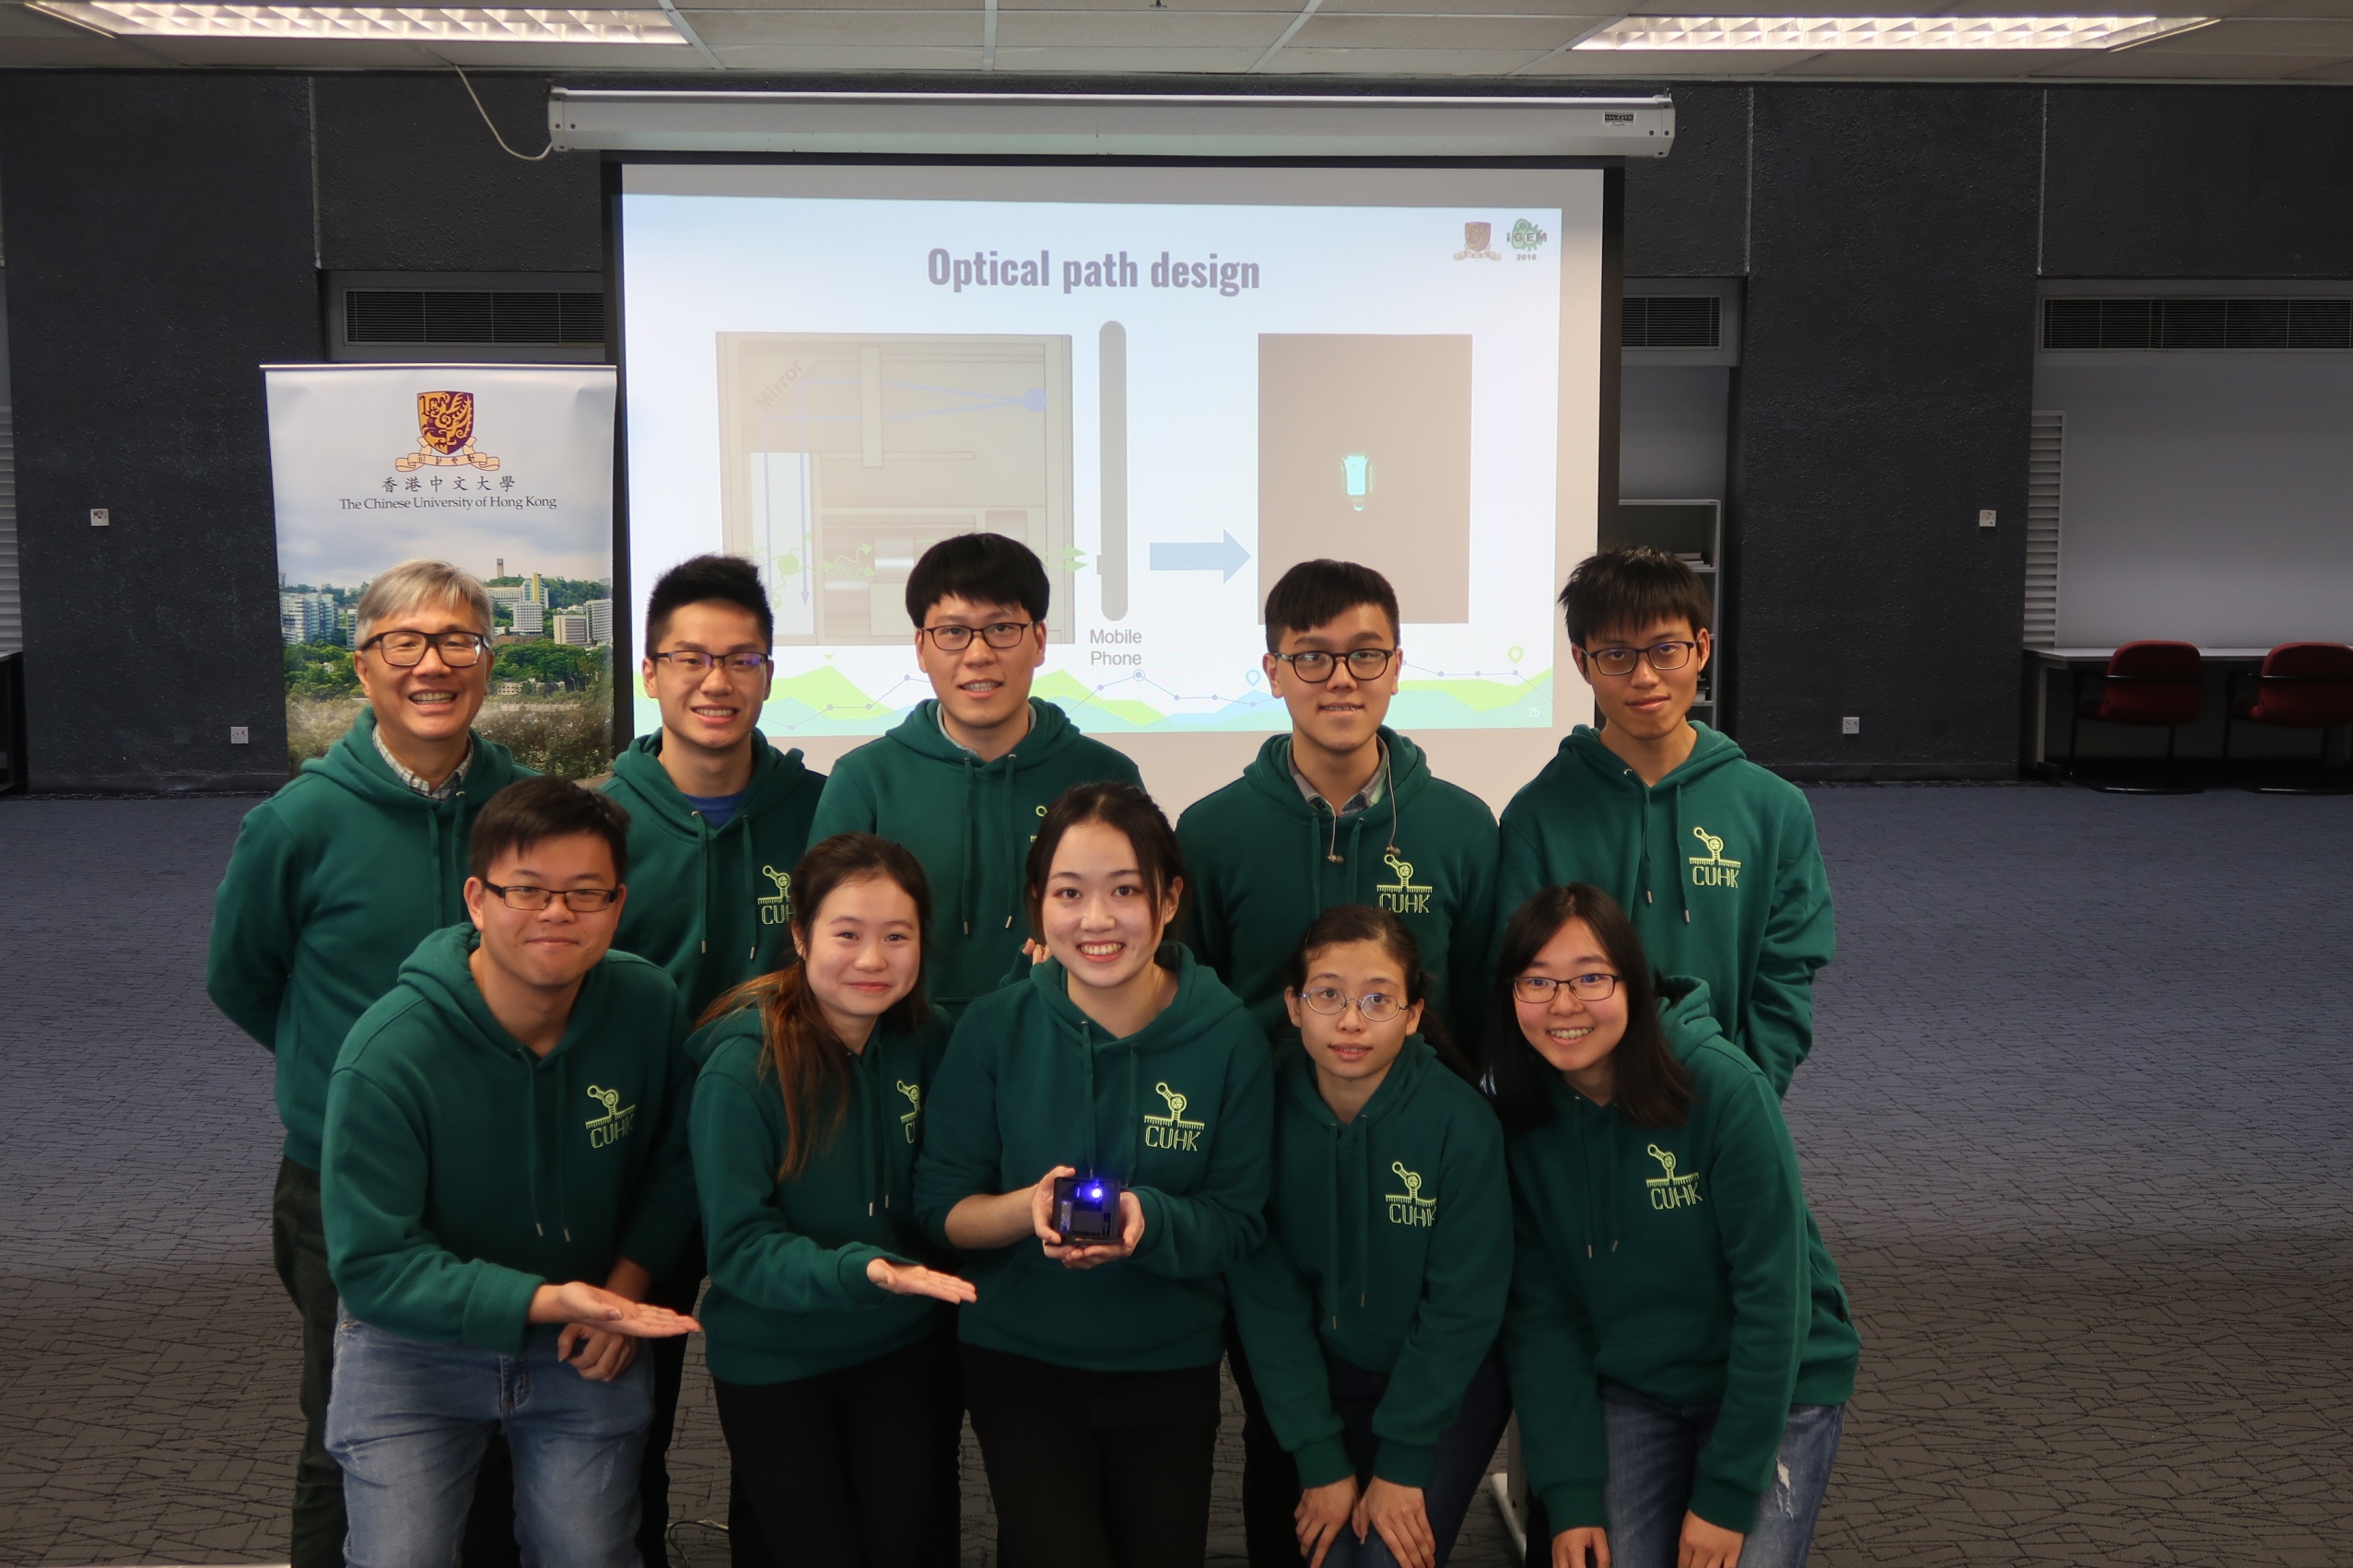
(1814, 33)
(169, 18)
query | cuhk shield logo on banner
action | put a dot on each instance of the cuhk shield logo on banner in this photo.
(445, 434)
(1476, 246)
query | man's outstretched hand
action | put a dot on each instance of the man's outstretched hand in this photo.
(591, 1308)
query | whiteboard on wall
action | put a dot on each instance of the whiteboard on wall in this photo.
(2204, 498)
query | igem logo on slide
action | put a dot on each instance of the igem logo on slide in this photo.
(1712, 869)
(1526, 239)
(615, 1124)
(1173, 1131)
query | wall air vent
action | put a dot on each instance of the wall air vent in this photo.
(2181, 322)
(1671, 320)
(473, 315)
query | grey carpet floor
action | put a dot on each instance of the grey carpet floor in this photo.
(2074, 1129)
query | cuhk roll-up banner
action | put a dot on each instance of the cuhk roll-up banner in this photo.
(503, 470)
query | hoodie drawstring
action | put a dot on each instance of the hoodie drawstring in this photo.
(1682, 891)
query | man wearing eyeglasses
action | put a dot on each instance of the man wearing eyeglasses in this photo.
(1713, 856)
(717, 816)
(334, 881)
(717, 819)
(1342, 810)
(964, 780)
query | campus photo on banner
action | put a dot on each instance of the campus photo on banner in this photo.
(503, 470)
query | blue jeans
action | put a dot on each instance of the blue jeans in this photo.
(1654, 1455)
(408, 1422)
(1463, 1451)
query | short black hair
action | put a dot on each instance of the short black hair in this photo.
(986, 569)
(1621, 590)
(1315, 593)
(730, 579)
(533, 811)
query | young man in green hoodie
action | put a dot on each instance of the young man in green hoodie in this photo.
(965, 779)
(1713, 856)
(506, 1174)
(1342, 810)
(334, 881)
(717, 819)
(717, 816)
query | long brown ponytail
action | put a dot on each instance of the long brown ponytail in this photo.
(811, 1063)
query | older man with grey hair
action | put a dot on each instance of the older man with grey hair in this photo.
(334, 881)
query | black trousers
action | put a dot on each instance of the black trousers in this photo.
(677, 1292)
(1269, 1475)
(1094, 1469)
(299, 1246)
(841, 1471)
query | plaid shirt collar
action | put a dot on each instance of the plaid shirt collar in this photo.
(441, 792)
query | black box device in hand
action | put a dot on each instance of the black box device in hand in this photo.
(1086, 1209)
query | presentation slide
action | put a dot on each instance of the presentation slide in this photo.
(1171, 383)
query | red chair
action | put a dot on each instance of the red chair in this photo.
(2303, 685)
(2147, 684)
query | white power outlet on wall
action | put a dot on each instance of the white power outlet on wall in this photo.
(1850, 726)
(240, 735)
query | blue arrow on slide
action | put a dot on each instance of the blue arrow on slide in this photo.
(1227, 555)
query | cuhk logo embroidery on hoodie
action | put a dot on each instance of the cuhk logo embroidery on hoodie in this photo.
(1712, 869)
(913, 1092)
(1173, 1131)
(1405, 896)
(1671, 1191)
(616, 1123)
(777, 910)
(1409, 1208)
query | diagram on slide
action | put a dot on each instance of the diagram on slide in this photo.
(1364, 453)
(844, 456)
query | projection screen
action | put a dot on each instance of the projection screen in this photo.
(1171, 383)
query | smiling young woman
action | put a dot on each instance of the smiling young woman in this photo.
(1679, 1345)
(827, 1343)
(1091, 1369)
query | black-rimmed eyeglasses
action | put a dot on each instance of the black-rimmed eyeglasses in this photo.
(700, 664)
(1672, 654)
(1002, 636)
(578, 900)
(403, 651)
(1315, 666)
(1537, 989)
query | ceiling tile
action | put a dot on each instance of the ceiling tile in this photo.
(2294, 8)
(1121, 62)
(835, 29)
(2142, 64)
(2342, 71)
(1295, 61)
(1448, 33)
(2240, 36)
(20, 51)
(778, 57)
(1137, 29)
(290, 52)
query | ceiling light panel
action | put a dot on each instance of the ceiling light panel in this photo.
(167, 18)
(1817, 33)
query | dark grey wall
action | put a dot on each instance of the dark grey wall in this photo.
(159, 249)
(1885, 387)
(162, 242)
(2224, 183)
(409, 180)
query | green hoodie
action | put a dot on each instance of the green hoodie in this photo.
(463, 1171)
(1680, 1262)
(1390, 1240)
(1265, 861)
(712, 906)
(970, 823)
(1180, 1111)
(790, 1297)
(1716, 864)
(334, 881)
